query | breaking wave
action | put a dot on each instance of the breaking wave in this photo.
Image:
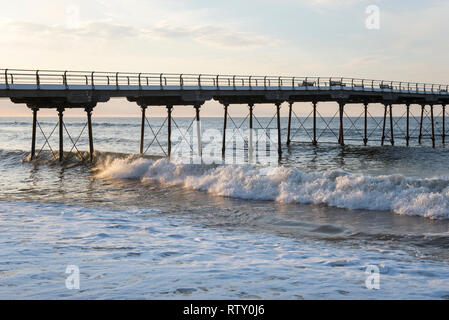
(427, 197)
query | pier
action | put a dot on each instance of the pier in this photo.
(62, 90)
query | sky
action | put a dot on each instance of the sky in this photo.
(264, 37)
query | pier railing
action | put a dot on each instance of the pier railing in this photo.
(39, 79)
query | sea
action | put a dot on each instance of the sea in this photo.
(321, 222)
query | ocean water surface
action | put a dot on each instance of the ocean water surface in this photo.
(137, 227)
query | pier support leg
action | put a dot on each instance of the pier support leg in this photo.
(443, 129)
(383, 127)
(91, 138)
(433, 126)
(278, 112)
(391, 125)
(225, 122)
(169, 111)
(365, 133)
(250, 141)
(420, 123)
(341, 138)
(142, 129)
(290, 107)
(33, 134)
(314, 141)
(198, 129)
(61, 133)
(407, 133)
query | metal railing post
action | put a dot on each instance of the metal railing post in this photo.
(6, 79)
(65, 80)
(38, 81)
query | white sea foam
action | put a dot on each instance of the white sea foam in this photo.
(403, 195)
(126, 254)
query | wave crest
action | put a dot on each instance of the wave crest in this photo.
(403, 195)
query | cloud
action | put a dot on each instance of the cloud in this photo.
(327, 3)
(336, 2)
(217, 36)
(213, 36)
